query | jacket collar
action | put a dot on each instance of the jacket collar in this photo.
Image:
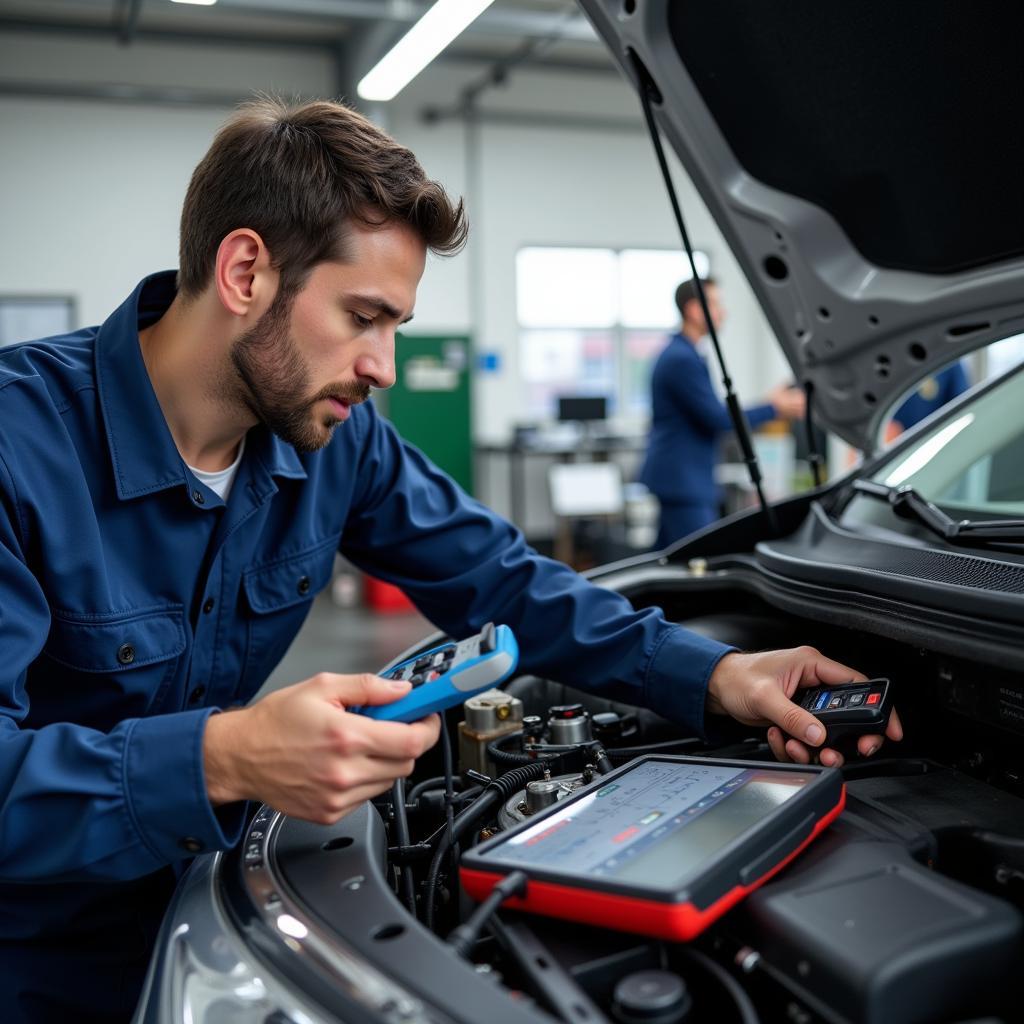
(278, 458)
(142, 450)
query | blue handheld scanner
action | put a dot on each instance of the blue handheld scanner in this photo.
(449, 674)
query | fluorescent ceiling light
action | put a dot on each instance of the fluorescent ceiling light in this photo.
(198, 3)
(418, 47)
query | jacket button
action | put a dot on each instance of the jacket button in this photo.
(208, 605)
(197, 497)
(126, 654)
(197, 695)
(190, 844)
(304, 585)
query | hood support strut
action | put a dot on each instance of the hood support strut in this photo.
(649, 95)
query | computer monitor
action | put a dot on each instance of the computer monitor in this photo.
(582, 407)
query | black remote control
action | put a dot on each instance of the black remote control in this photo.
(849, 709)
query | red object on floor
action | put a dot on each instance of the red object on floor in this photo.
(385, 597)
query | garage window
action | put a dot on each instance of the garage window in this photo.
(591, 322)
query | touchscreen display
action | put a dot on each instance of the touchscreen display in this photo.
(655, 825)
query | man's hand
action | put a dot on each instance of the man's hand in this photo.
(789, 403)
(756, 689)
(300, 751)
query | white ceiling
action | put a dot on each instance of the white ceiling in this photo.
(556, 29)
(346, 37)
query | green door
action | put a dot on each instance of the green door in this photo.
(430, 402)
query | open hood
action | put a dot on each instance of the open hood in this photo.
(864, 162)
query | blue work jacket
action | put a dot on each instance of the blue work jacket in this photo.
(134, 603)
(687, 422)
(932, 394)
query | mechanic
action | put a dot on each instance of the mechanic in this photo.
(174, 486)
(688, 420)
(931, 395)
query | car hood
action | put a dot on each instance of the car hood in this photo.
(863, 162)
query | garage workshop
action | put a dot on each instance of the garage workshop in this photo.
(511, 511)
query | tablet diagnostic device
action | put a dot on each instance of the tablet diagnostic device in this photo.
(662, 846)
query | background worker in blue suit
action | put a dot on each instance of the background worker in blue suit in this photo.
(688, 421)
(932, 394)
(174, 486)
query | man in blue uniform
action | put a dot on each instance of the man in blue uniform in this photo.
(932, 394)
(174, 486)
(688, 421)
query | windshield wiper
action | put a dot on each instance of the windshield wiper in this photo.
(909, 504)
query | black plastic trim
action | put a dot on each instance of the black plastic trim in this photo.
(822, 552)
(344, 891)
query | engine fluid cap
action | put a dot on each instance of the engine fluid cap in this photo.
(541, 793)
(569, 723)
(651, 997)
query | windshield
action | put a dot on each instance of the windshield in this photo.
(971, 463)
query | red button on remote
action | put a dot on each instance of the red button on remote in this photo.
(874, 698)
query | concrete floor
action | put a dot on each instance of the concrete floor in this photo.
(343, 640)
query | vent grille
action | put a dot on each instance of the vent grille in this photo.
(929, 566)
(956, 570)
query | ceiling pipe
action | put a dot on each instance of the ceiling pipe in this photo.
(530, 51)
(111, 92)
(495, 22)
(130, 22)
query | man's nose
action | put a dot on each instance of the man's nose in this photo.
(376, 364)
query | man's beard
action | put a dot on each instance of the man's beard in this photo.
(272, 377)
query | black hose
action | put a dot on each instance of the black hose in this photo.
(500, 756)
(402, 835)
(449, 774)
(496, 791)
(437, 782)
(433, 800)
(615, 754)
(748, 1014)
(463, 938)
(744, 749)
(628, 753)
(448, 839)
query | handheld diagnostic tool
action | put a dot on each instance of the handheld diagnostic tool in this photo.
(449, 674)
(662, 846)
(850, 709)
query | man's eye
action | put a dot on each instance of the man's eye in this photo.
(361, 321)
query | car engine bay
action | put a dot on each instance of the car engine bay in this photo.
(908, 908)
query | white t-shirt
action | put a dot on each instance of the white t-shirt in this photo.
(221, 481)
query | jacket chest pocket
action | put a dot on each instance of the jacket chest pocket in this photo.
(278, 597)
(100, 669)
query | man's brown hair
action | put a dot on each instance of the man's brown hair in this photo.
(297, 175)
(687, 292)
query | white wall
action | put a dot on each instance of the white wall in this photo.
(90, 192)
(90, 196)
(563, 186)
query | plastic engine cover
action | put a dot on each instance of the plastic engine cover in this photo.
(859, 927)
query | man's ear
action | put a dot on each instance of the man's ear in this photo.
(244, 279)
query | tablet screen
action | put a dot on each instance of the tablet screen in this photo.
(652, 826)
